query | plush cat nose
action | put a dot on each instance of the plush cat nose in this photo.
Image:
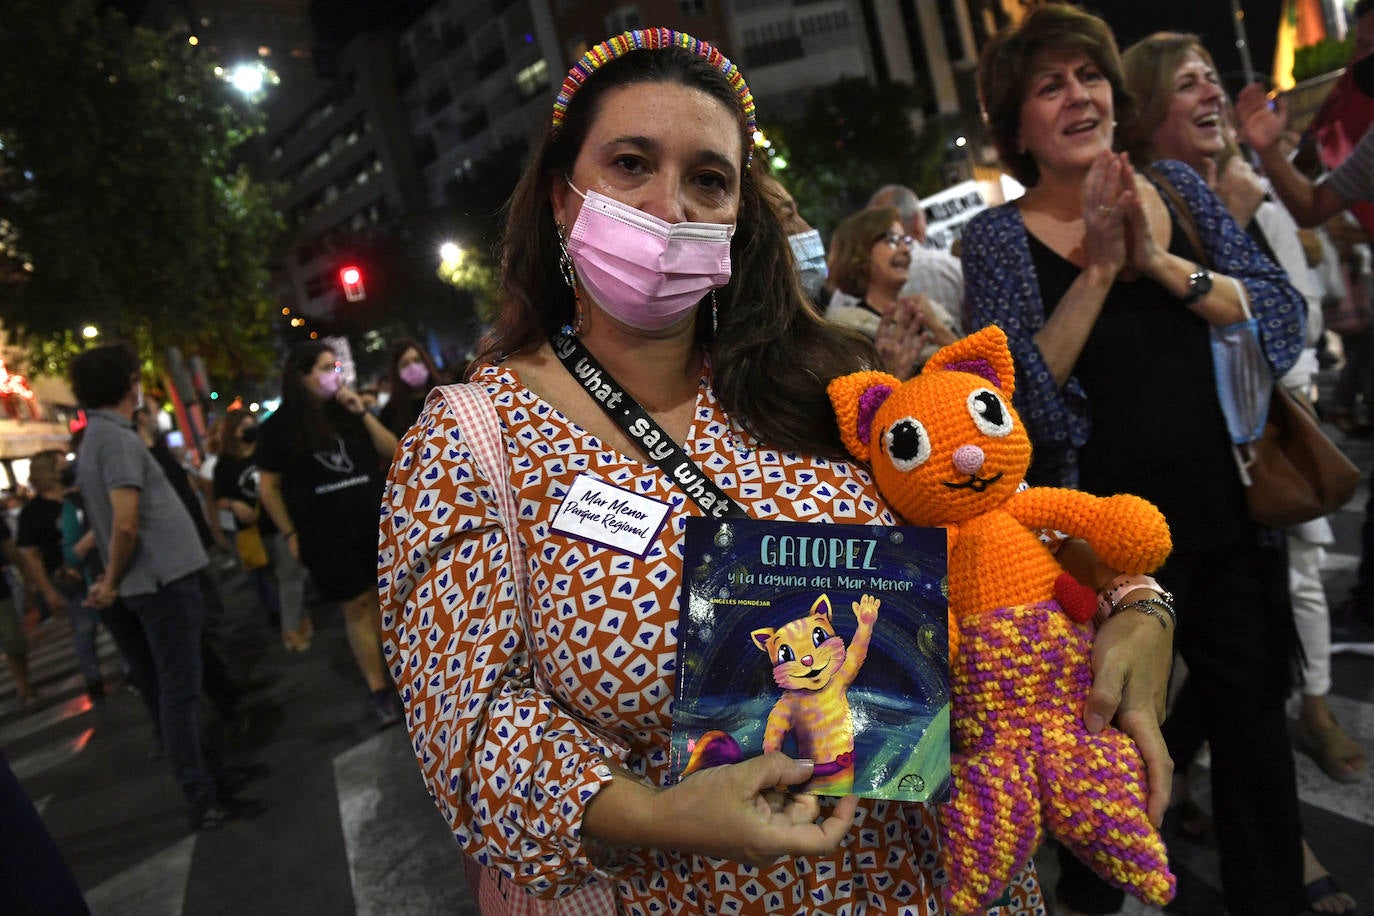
(807, 660)
(968, 459)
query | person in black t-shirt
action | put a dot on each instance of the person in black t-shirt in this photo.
(280, 584)
(1108, 303)
(12, 641)
(40, 552)
(320, 480)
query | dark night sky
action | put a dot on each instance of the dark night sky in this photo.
(1209, 19)
(335, 21)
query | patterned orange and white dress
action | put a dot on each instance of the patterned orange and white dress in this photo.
(512, 761)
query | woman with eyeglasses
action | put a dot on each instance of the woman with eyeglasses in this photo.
(870, 260)
(320, 477)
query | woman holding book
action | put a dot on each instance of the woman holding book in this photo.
(644, 275)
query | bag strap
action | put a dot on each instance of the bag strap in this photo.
(482, 431)
(1178, 209)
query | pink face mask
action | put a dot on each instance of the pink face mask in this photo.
(644, 272)
(414, 374)
(328, 383)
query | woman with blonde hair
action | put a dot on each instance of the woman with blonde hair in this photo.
(38, 535)
(1183, 114)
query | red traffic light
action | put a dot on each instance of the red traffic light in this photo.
(352, 279)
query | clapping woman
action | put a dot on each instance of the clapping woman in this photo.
(1183, 115)
(1108, 304)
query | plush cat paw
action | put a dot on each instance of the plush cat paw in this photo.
(1130, 534)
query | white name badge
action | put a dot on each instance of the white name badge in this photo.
(609, 516)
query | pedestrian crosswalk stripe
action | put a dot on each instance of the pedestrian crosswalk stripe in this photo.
(50, 755)
(43, 719)
(389, 852)
(155, 885)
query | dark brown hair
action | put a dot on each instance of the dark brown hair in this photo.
(230, 443)
(311, 426)
(1004, 73)
(1149, 67)
(771, 355)
(851, 247)
(397, 385)
(103, 375)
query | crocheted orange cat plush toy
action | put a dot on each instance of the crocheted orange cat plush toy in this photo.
(947, 450)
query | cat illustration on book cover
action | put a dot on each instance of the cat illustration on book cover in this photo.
(814, 668)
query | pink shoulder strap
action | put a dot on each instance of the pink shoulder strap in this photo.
(482, 431)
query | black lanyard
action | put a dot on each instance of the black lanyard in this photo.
(639, 426)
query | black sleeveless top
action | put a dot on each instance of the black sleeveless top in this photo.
(1157, 426)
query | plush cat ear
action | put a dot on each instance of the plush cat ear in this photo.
(821, 607)
(983, 353)
(761, 637)
(856, 399)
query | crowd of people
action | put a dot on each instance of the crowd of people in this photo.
(129, 543)
(646, 238)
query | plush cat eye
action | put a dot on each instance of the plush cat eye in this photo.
(990, 413)
(906, 444)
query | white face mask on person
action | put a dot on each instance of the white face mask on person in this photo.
(644, 272)
(809, 252)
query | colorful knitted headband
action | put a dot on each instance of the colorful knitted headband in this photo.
(652, 39)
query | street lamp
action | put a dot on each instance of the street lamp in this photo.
(90, 332)
(252, 78)
(247, 78)
(449, 252)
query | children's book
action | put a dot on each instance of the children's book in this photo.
(826, 642)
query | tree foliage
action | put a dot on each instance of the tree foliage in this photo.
(852, 138)
(121, 204)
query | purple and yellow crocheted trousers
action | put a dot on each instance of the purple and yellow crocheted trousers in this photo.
(1025, 763)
